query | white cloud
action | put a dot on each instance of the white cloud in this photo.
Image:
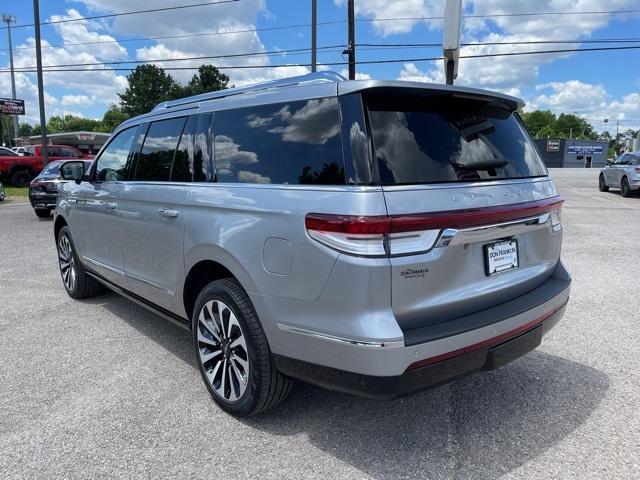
(379, 10)
(589, 101)
(69, 100)
(359, 75)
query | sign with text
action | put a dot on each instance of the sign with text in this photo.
(11, 107)
(585, 149)
(553, 145)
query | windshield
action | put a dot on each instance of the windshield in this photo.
(448, 139)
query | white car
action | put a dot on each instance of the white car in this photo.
(18, 150)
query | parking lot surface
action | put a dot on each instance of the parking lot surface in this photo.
(104, 389)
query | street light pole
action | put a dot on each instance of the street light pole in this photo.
(9, 19)
(314, 34)
(43, 122)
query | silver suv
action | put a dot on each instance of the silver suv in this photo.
(623, 173)
(373, 237)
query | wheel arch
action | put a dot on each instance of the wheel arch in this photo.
(206, 264)
(58, 224)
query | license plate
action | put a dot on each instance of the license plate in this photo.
(501, 257)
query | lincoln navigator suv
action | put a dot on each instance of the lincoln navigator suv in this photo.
(372, 237)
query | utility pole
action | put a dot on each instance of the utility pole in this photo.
(617, 128)
(9, 19)
(351, 50)
(451, 39)
(314, 34)
(43, 122)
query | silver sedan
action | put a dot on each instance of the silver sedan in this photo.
(623, 173)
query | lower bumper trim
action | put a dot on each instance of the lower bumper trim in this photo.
(486, 356)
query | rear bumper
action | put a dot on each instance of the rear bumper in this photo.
(486, 356)
(43, 200)
(469, 335)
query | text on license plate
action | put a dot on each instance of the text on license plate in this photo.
(501, 256)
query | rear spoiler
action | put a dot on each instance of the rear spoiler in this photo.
(428, 89)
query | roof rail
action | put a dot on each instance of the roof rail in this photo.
(316, 77)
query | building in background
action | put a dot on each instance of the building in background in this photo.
(87, 142)
(562, 152)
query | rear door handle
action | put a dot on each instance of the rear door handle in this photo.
(167, 213)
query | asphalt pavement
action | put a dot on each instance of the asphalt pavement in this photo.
(104, 389)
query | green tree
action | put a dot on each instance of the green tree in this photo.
(569, 125)
(148, 86)
(113, 117)
(25, 130)
(208, 79)
(539, 120)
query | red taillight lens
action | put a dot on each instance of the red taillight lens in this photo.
(637, 170)
(36, 184)
(408, 234)
(349, 224)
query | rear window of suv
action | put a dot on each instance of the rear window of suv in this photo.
(448, 139)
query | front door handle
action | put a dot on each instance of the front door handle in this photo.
(167, 213)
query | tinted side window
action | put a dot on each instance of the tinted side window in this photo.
(286, 143)
(156, 156)
(69, 153)
(182, 164)
(356, 144)
(202, 169)
(54, 152)
(112, 163)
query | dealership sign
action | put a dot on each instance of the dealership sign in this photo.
(86, 137)
(553, 145)
(585, 149)
(11, 107)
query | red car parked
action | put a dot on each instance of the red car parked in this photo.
(20, 170)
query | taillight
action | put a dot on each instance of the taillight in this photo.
(380, 235)
(37, 184)
(637, 170)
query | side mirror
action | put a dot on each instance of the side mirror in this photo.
(73, 170)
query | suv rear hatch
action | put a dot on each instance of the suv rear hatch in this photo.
(475, 218)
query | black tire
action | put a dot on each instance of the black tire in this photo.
(265, 387)
(602, 186)
(21, 178)
(43, 212)
(625, 190)
(1, 192)
(83, 286)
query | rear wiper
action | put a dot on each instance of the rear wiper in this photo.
(477, 131)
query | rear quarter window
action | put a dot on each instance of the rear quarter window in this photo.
(447, 139)
(285, 143)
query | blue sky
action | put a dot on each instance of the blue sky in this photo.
(594, 85)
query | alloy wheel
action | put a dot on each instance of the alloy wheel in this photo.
(625, 187)
(67, 262)
(222, 350)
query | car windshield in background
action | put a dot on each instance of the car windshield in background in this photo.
(52, 169)
(448, 139)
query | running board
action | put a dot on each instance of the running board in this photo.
(167, 315)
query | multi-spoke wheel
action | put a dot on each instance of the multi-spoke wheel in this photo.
(625, 189)
(233, 353)
(67, 262)
(76, 282)
(602, 184)
(223, 350)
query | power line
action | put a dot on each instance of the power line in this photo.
(330, 22)
(202, 57)
(528, 42)
(121, 14)
(52, 68)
